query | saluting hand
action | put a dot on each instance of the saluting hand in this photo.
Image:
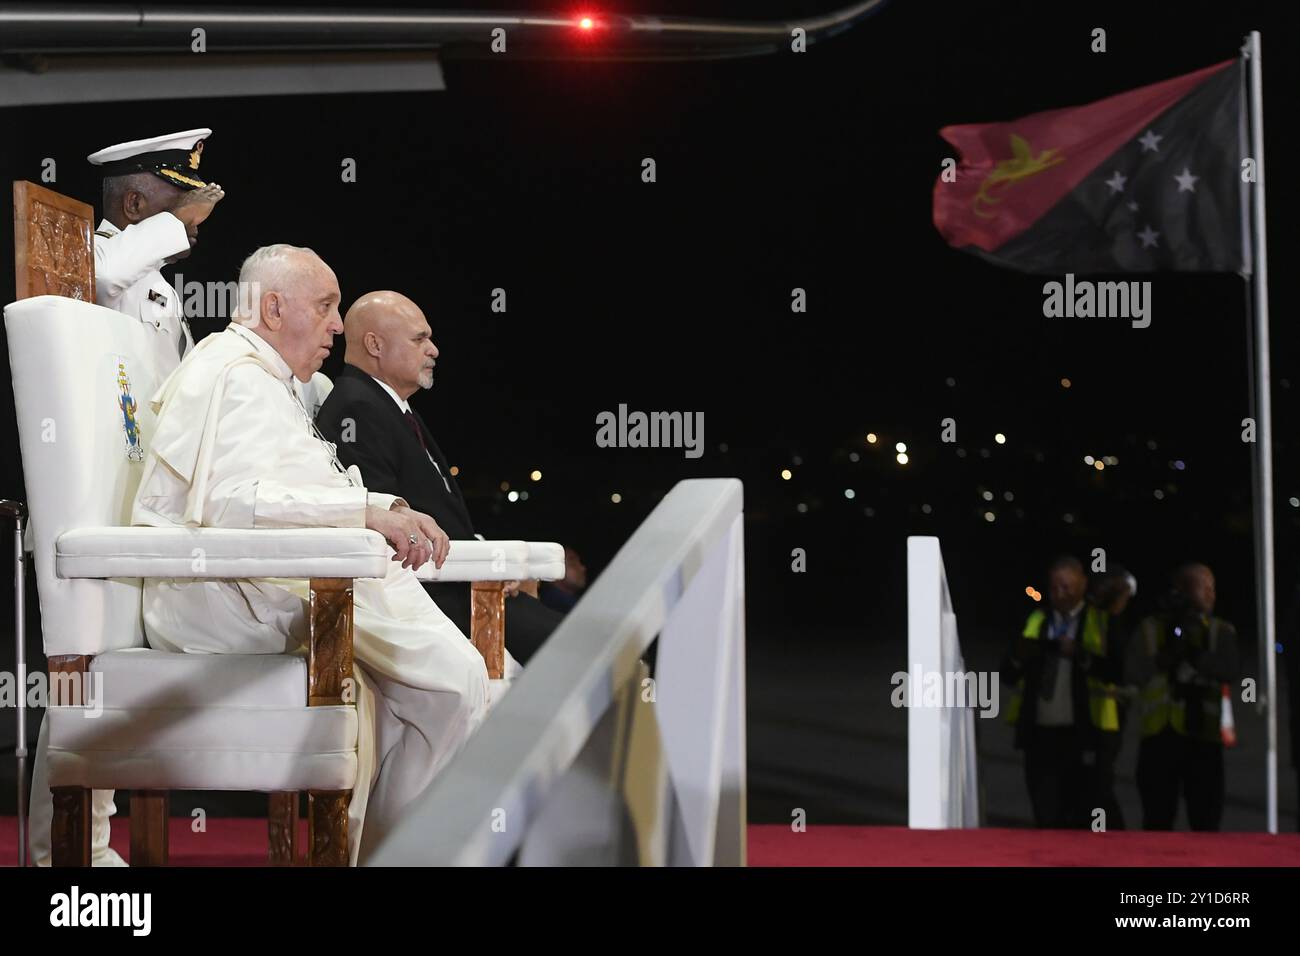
(196, 205)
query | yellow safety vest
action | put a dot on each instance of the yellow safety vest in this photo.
(1102, 705)
(1160, 709)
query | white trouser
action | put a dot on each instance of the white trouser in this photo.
(42, 813)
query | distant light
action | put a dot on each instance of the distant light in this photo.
(1295, 502)
(990, 516)
(848, 493)
(455, 470)
(586, 23)
(1008, 496)
(1000, 438)
(869, 512)
(961, 452)
(1178, 632)
(786, 474)
(1179, 464)
(926, 509)
(536, 476)
(1111, 460)
(987, 495)
(513, 496)
(950, 382)
(616, 497)
(796, 461)
(1088, 460)
(902, 458)
(723, 448)
(1065, 383)
(523, 495)
(505, 486)
(1067, 518)
(1151, 444)
(984, 452)
(1160, 495)
(1029, 591)
(853, 456)
(801, 507)
(871, 438)
(901, 446)
(1099, 465)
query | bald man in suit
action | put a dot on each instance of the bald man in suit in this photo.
(390, 356)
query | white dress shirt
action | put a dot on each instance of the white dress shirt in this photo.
(1057, 710)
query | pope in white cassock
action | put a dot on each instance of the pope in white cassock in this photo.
(235, 448)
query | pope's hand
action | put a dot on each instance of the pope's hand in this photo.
(403, 533)
(196, 205)
(430, 532)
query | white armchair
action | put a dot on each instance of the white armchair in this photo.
(273, 723)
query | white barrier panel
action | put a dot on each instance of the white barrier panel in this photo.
(563, 729)
(942, 781)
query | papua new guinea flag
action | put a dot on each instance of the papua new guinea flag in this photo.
(1143, 181)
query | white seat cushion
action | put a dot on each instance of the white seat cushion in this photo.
(143, 678)
(202, 722)
(213, 748)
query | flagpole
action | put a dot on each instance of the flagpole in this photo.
(1264, 443)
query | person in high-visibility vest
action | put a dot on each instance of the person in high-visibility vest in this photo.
(1111, 591)
(1062, 700)
(1181, 659)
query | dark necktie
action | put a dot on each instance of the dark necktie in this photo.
(414, 425)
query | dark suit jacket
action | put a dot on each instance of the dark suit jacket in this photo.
(392, 461)
(388, 453)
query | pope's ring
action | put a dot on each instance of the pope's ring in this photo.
(413, 539)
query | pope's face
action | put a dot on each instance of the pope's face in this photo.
(309, 317)
(409, 355)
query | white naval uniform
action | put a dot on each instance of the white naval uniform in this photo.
(126, 273)
(233, 447)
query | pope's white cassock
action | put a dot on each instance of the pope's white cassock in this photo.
(234, 448)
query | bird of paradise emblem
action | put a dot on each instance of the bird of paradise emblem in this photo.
(1022, 164)
(126, 402)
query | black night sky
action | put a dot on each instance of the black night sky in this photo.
(810, 171)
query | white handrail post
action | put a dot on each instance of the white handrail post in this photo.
(699, 682)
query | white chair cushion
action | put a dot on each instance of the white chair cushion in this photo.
(213, 748)
(146, 679)
(470, 560)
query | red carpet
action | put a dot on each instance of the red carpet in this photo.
(777, 845)
(242, 842)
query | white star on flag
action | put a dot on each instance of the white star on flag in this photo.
(1150, 141)
(1148, 237)
(1132, 205)
(1116, 182)
(1186, 182)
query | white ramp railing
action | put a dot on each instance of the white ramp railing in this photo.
(942, 782)
(588, 760)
